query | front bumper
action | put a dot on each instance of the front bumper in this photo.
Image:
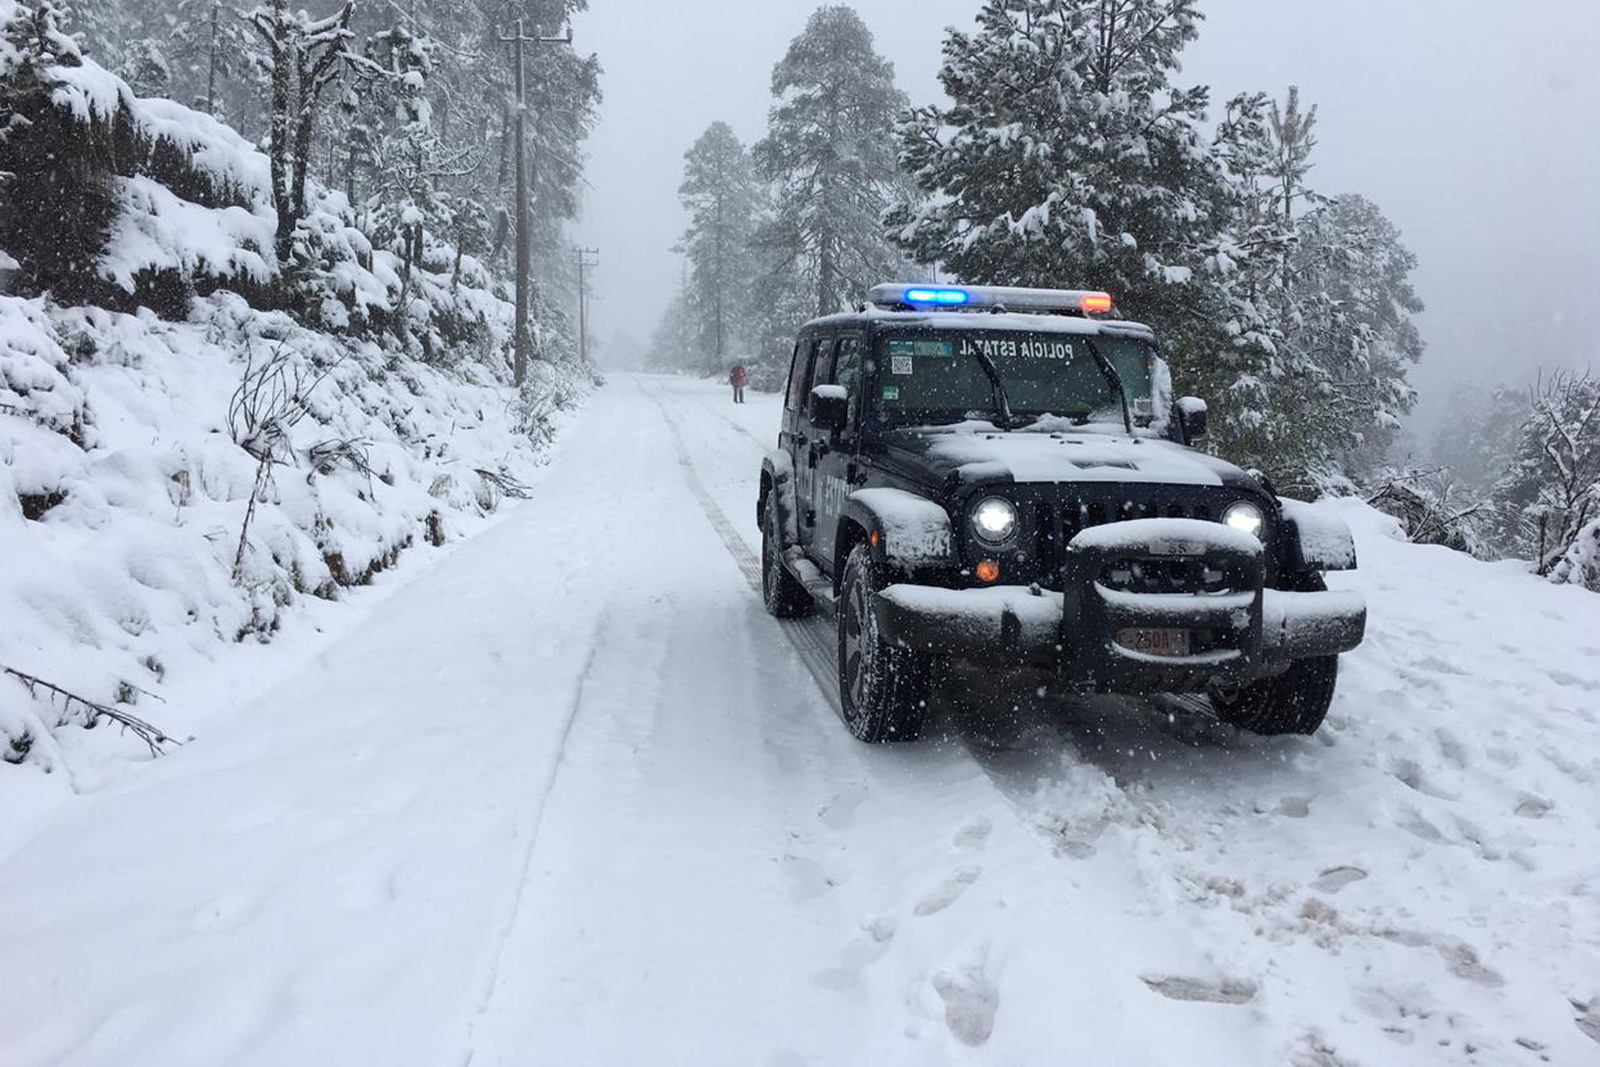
(1241, 632)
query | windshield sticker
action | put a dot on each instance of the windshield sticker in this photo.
(922, 348)
(899, 364)
(1011, 348)
(1143, 407)
(891, 392)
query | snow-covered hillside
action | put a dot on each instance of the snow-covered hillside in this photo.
(198, 441)
(572, 796)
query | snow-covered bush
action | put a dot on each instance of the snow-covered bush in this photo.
(1580, 564)
(1550, 492)
(1432, 507)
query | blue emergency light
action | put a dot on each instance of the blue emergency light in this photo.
(944, 297)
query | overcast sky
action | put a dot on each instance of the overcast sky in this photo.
(1474, 124)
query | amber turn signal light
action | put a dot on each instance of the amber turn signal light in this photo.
(988, 570)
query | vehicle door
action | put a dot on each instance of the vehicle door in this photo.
(795, 437)
(835, 471)
(808, 442)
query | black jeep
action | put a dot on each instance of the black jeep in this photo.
(994, 482)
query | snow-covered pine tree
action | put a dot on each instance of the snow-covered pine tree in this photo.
(1067, 158)
(57, 203)
(721, 196)
(829, 155)
(1310, 374)
(1348, 339)
(208, 54)
(1551, 491)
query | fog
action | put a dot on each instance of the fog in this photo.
(1471, 123)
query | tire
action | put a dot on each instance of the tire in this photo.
(1294, 702)
(781, 592)
(883, 690)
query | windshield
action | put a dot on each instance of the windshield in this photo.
(938, 376)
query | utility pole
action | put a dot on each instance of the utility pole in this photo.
(584, 264)
(524, 236)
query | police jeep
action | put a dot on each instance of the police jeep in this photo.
(995, 484)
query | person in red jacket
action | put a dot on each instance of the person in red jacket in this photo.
(736, 379)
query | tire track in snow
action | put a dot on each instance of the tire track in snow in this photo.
(749, 565)
(486, 997)
(811, 637)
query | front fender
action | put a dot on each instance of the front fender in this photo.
(909, 534)
(1313, 540)
(777, 480)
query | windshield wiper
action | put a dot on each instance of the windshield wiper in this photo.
(1115, 379)
(1000, 402)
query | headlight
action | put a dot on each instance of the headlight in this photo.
(1247, 517)
(994, 520)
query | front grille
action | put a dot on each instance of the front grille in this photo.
(1058, 522)
(1164, 575)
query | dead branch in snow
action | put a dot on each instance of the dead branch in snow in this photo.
(151, 735)
(271, 400)
(506, 484)
(324, 456)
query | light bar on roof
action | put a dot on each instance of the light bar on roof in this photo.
(989, 297)
(937, 297)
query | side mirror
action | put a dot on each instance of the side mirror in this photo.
(830, 408)
(1192, 418)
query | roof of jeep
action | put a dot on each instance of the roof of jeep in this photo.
(984, 320)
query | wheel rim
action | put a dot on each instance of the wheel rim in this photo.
(854, 650)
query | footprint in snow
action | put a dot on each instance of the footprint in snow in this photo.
(839, 812)
(1219, 991)
(1588, 1018)
(808, 879)
(1439, 666)
(970, 1002)
(1533, 807)
(1460, 957)
(1295, 807)
(1413, 822)
(1336, 878)
(947, 892)
(1410, 775)
(1572, 681)
(974, 834)
(1451, 748)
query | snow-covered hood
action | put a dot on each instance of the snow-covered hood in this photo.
(981, 456)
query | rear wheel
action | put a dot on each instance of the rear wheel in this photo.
(781, 592)
(883, 689)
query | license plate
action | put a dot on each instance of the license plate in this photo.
(1153, 642)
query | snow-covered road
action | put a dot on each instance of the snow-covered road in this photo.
(571, 797)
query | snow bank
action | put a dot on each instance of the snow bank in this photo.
(127, 469)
